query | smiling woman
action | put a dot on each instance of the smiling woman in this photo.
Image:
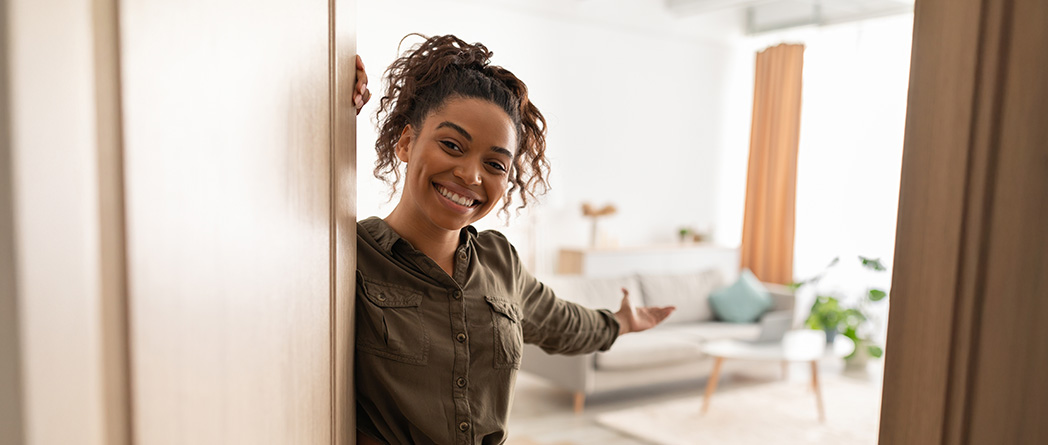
(442, 309)
(457, 165)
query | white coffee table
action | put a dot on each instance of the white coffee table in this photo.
(797, 346)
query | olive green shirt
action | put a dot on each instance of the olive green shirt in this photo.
(437, 355)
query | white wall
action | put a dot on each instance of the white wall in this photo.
(636, 109)
(852, 124)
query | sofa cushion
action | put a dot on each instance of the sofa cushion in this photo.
(712, 331)
(742, 302)
(648, 349)
(688, 292)
(594, 293)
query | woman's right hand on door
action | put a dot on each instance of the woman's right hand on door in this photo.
(361, 94)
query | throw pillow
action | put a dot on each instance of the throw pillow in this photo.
(742, 302)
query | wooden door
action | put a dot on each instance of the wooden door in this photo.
(231, 200)
(967, 341)
(181, 205)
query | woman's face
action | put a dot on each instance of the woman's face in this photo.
(458, 163)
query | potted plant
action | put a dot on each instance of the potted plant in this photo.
(827, 315)
(684, 232)
(855, 320)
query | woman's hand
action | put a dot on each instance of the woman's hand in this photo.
(361, 94)
(636, 319)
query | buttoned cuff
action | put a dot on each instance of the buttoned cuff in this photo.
(613, 328)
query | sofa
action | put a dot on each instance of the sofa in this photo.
(670, 352)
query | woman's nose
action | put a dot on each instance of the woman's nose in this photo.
(468, 173)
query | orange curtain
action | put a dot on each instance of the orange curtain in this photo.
(771, 182)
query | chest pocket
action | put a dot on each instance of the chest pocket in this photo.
(389, 322)
(509, 335)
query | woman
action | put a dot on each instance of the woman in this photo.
(442, 310)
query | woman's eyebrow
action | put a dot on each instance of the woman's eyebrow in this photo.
(457, 128)
(503, 151)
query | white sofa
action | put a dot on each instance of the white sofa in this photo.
(668, 353)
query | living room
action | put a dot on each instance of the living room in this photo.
(649, 105)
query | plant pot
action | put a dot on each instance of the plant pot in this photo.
(831, 334)
(860, 358)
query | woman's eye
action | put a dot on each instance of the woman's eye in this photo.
(497, 166)
(451, 146)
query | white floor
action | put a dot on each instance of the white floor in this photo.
(543, 414)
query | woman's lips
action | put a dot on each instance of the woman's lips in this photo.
(455, 198)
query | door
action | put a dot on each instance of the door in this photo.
(968, 342)
(183, 221)
(230, 202)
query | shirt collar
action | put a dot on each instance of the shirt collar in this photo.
(386, 237)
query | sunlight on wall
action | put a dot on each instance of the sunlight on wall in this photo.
(852, 125)
(852, 129)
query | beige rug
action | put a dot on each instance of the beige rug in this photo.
(771, 413)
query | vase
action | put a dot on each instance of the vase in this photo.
(831, 334)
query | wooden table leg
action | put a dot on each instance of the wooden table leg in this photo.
(580, 401)
(712, 384)
(818, 392)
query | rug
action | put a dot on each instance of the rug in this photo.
(769, 413)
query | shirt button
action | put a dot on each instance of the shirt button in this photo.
(461, 382)
(463, 426)
(461, 337)
(381, 297)
(463, 256)
(457, 294)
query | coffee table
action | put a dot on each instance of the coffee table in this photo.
(796, 346)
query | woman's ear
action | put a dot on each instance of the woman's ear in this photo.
(403, 148)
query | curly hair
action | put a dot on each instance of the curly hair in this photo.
(444, 67)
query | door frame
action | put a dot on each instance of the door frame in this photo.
(960, 277)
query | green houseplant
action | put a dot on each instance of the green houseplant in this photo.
(854, 320)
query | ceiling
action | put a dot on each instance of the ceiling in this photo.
(770, 15)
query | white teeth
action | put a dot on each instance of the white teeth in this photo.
(455, 197)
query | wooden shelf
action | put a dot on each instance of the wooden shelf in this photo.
(664, 258)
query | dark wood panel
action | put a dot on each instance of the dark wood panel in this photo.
(982, 130)
(972, 248)
(1009, 401)
(930, 229)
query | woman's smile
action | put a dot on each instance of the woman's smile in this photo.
(459, 201)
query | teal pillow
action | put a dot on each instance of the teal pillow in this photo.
(742, 302)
